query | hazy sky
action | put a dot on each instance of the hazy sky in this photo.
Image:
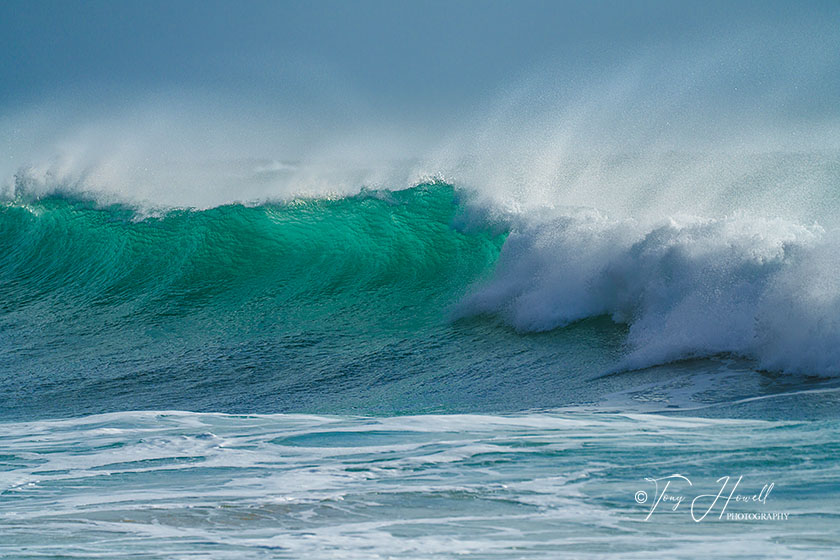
(421, 57)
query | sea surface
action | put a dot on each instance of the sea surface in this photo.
(414, 374)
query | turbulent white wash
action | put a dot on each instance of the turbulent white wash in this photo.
(760, 288)
(182, 485)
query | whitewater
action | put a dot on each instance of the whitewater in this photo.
(184, 485)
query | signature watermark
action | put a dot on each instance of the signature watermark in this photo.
(677, 493)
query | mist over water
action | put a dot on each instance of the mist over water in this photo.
(733, 118)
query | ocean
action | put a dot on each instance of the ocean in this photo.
(414, 373)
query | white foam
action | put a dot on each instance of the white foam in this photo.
(761, 288)
(481, 484)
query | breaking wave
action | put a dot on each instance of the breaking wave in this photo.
(762, 288)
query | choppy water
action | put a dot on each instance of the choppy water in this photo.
(548, 485)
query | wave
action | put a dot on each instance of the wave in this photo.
(351, 268)
(765, 289)
(307, 248)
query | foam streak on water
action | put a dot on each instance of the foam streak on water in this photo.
(547, 485)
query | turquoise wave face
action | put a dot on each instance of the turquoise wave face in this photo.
(227, 306)
(388, 249)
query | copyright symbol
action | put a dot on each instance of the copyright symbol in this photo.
(641, 497)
